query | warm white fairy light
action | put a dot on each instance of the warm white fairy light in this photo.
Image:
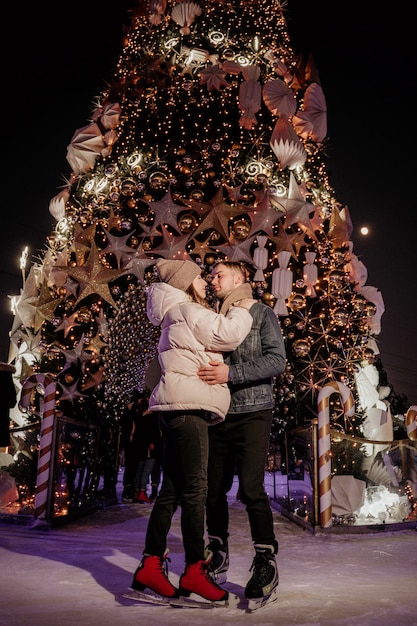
(23, 261)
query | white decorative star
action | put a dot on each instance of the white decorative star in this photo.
(166, 212)
(68, 322)
(219, 215)
(237, 250)
(25, 305)
(94, 278)
(297, 209)
(77, 354)
(263, 216)
(173, 247)
(83, 238)
(117, 246)
(71, 393)
(102, 323)
(94, 379)
(137, 266)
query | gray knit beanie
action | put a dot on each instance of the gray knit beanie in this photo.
(179, 274)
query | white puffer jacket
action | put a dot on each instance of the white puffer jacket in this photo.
(191, 336)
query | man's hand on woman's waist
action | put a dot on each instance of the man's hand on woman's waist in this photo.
(214, 373)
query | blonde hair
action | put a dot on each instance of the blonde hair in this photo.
(236, 267)
(190, 291)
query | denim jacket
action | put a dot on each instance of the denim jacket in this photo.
(255, 362)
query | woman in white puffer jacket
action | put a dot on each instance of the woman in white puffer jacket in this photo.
(192, 334)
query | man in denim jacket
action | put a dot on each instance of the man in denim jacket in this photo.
(240, 443)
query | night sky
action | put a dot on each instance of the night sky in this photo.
(364, 57)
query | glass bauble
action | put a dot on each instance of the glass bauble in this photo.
(157, 180)
(340, 317)
(128, 187)
(301, 348)
(296, 301)
(241, 229)
(187, 223)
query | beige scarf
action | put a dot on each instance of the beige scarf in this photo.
(241, 291)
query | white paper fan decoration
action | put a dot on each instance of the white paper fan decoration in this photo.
(302, 125)
(316, 110)
(110, 116)
(184, 14)
(279, 98)
(286, 145)
(57, 204)
(86, 144)
(157, 9)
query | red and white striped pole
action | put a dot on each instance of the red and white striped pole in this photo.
(324, 460)
(46, 434)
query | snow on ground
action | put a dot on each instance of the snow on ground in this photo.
(77, 573)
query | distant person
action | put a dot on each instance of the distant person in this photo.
(146, 440)
(8, 399)
(134, 444)
(192, 335)
(156, 453)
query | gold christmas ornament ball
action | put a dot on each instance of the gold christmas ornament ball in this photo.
(359, 303)
(336, 279)
(301, 348)
(370, 309)
(136, 169)
(296, 301)
(241, 229)
(187, 223)
(84, 315)
(158, 180)
(128, 187)
(197, 195)
(267, 297)
(340, 317)
(209, 259)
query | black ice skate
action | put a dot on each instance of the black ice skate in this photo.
(261, 588)
(219, 563)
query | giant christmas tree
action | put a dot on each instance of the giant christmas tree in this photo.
(209, 143)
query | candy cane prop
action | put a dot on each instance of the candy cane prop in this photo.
(45, 444)
(411, 423)
(324, 443)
